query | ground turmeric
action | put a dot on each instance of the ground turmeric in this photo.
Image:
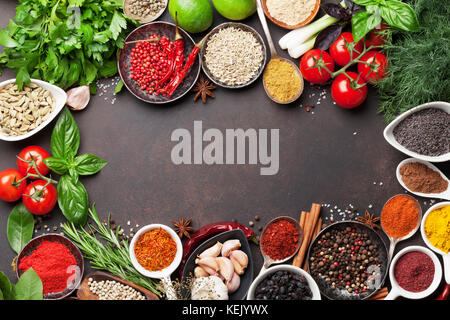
(281, 80)
(437, 228)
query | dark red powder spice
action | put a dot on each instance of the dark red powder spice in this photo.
(279, 240)
(51, 261)
(414, 271)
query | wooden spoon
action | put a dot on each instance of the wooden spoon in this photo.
(84, 293)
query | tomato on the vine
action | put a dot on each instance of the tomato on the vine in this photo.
(373, 66)
(28, 154)
(340, 49)
(377, 37)
(8, 190)
(40, 197)
(316, 66)
(349, 90)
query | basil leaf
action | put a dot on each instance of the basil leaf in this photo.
(29, 286)
(363, 22)
(20, 227)
(327, 36)
(73, 200)
(6, 287)
(366, 3)
(73, 174)
(88, 164)
(336, 11)
(65, 139)
(58, 166)
(399, 15)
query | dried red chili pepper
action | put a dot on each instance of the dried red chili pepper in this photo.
(176, 57)
(208, 231)
(279, 240)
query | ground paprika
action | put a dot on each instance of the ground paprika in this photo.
(280, 240)
(54, 263)
(400, 215)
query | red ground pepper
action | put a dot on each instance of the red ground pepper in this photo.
(279, 240)
(53, 262)
(414, 271)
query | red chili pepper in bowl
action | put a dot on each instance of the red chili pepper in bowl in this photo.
(208, 231)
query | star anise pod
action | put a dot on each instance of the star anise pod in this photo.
(183, 227)
(370, 220)
(203, 88)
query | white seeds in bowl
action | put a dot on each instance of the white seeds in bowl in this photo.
(113, 290)
(291, 12)
(233, 56)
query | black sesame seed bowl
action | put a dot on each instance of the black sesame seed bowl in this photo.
(348, 260)
(296, 285)
(388, 132)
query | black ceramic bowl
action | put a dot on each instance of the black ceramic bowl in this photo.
(335, 294)
(52, 237)
(144, 31)
(246, 278)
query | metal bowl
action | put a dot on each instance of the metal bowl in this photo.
(244, 28)
(53, 237)
(162, 29)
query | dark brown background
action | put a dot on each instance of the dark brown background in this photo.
(321, 159)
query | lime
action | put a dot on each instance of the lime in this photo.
(193, 15)
(235, 9)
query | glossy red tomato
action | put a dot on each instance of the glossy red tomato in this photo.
(38, 198)
(348, 93)
(377, 37)
(373, 66)
(36, 153)
(340, 49)
(9, 192)
(316, 66)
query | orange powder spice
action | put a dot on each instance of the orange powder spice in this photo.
(399, 216)
(155, 249)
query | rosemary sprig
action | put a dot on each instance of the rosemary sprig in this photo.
(110, 255)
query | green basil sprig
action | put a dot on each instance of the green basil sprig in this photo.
(65, 142)
(20, 227)
(29, 287)
(395, 13)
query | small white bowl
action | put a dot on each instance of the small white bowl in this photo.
(60, 101)
(389, 132)
(443, 195)
(284, 267)
(165, 273)
(399, 291)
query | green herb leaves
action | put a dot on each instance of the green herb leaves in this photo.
(396, 13)
(29, 287)
(20, 227)
(76, 39)
(72, 195)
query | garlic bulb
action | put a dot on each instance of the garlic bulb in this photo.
(209, 288)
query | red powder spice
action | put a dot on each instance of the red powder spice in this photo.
(51, 261)
(414, 271)
(399, 216)
(280, 240)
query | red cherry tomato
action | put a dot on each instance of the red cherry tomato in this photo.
(340, 49)
(377, 37)
(9, 192)
(38, 198)
(36, 153)
(374, 66)
(349, 94)
(312, 66)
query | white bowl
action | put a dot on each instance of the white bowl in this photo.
(145, 19)
(389, 132)
(60, 101)
(284, 267)
(445, 256)
(399, 291)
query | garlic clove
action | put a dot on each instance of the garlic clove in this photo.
(234, 283)
(200, 272)
(229, 246)
(241, 257)
(226, 268)
(210, 271)
(78, 98)
(214, 251)
(209, 262)
(237, 266)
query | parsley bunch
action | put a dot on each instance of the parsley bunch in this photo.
(64, 42)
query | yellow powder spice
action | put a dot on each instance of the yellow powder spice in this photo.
(437, 228)
(281, 80)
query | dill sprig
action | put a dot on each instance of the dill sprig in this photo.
(110, 255)
(419, 62)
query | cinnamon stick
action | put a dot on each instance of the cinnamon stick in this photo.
(308, 230)
(380, 294)
(317, 229)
